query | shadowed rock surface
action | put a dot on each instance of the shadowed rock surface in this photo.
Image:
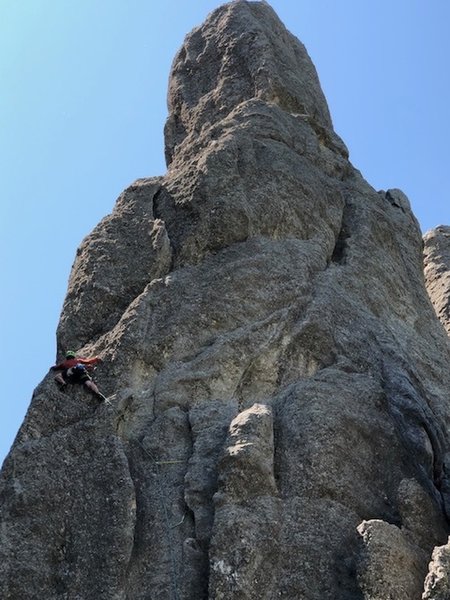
(279, 380)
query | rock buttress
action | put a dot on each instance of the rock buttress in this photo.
(279, 381)
(437, 271)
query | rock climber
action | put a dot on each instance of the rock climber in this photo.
(75, 370)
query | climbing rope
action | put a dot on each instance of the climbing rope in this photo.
(170, 543)
(163, 499)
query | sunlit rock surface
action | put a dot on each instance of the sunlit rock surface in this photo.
(437, 271)
(279, 381)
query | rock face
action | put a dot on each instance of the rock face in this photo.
(437, 281)
(437, 583)
(279, 382)
(437, 271)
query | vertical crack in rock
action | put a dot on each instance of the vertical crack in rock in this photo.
(209, 423)
(159, 458)
(339, 250)
(278, 377)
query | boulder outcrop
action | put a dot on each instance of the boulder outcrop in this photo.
(279, 382)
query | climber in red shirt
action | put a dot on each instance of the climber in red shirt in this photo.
(75, 370)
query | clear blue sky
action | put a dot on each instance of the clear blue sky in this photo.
(82, 109)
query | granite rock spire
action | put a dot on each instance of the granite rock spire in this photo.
(278, 378)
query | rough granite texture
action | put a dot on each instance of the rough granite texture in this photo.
(437, 281)
(279, 381)
(437, 271)
(437, 583)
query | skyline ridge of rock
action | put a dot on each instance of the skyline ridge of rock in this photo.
(278, 377)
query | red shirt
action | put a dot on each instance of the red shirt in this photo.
(71, 362)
